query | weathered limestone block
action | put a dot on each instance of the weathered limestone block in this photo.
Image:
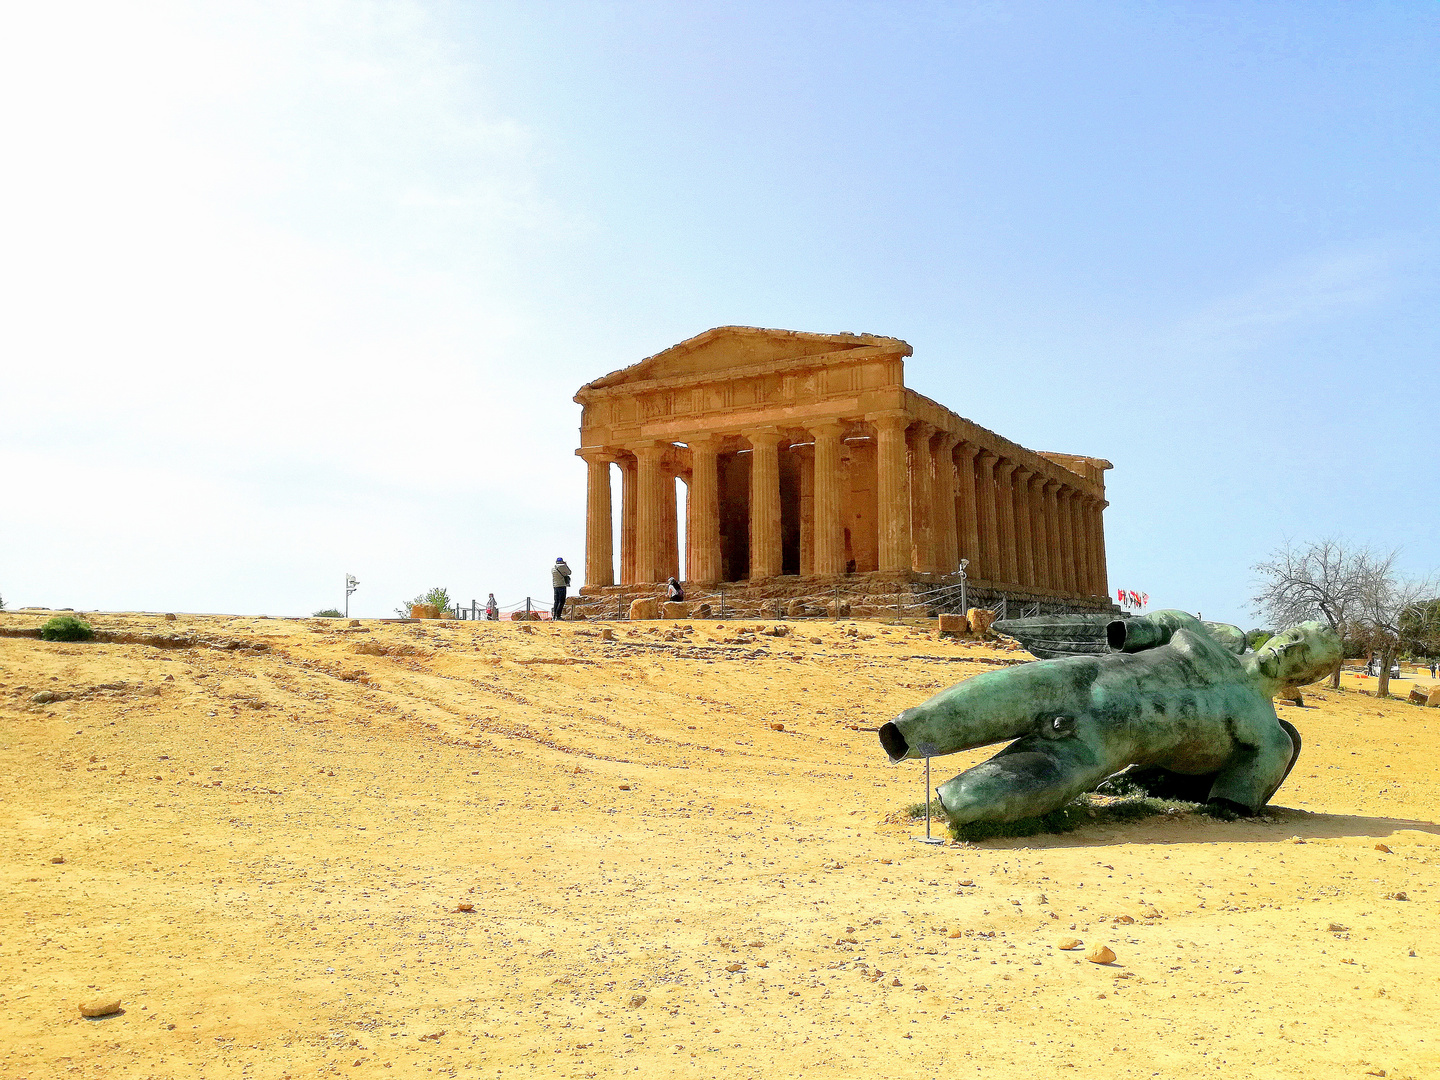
(646, 607)
(702, 611)
(838, 609)
(796, 609)
(979, 620)
(1420, 695)
(424, 611)
(525, 616)
(672, 609)
(954, 624)
(1290, 694)
(1434, 702)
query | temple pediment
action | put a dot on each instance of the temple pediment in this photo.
(734, 349)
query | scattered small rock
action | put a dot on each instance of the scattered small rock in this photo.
(101, 1006)
(1382, 847)
(636, 1000)
(734, 967)
(1123, 920)
(169, 616)
(44, 697)
(624, 787)
(1337, 928)
(1396, 896)
(814, 641)
(1101, 955)
(607, 634)
(1070, 943)
(465, 907)
(58, 859)
(777, 727)
(894, 982)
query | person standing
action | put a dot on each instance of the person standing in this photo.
(560, 578)
(492, 609)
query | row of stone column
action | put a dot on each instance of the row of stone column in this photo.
(939, 499)
(1016, 526)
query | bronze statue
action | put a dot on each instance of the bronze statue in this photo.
(1176, 704)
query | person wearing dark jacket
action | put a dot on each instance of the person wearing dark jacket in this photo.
(560, 578)
(673, 592)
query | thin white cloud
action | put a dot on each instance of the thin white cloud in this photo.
(1329, 286)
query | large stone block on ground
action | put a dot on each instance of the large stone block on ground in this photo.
(1420, 695)
(954, 624)
(646, 607)
(525, 616)
(424, 611)
(1434, 701)
(673, 609)
(838, 609)
(979, 620)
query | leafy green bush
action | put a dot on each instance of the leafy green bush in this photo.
(67, 628)
(329, 613)
(438, 596)
(1256, 638)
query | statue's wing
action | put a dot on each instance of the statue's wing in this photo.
(1050, 637)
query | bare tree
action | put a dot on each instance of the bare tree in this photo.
(1322, 580)
(1387, 602)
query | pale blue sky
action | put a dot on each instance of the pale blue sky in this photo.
(295, 289)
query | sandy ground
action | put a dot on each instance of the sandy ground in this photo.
(264, 852)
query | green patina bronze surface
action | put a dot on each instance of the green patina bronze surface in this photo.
(1185, 713)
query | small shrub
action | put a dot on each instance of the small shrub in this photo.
(439, 597)
(67, 628)
(329, 613)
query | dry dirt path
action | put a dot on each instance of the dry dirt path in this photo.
(264, 851)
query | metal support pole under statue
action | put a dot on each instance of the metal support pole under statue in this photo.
(927, 838)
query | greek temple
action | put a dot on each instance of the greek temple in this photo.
(806, 462)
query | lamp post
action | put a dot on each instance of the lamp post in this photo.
(351, 582)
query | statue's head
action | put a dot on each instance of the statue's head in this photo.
(1300, 655)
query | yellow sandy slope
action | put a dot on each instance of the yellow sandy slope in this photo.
(264, 853)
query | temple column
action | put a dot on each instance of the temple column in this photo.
(807, 508)
(1102, 574)
(629, 498)
(1069, 559)
(892, 491)
(1082, 544)
(1052, 534)
(649, 519)
(947, 557)
(990, 567)
(1087, 529)
(1024, 553)
(967, 520)
(1038, 532)
(1005, 514)
(765, 541)
(829, 528)
(922, 492)
(599, 528)
(702, 523)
